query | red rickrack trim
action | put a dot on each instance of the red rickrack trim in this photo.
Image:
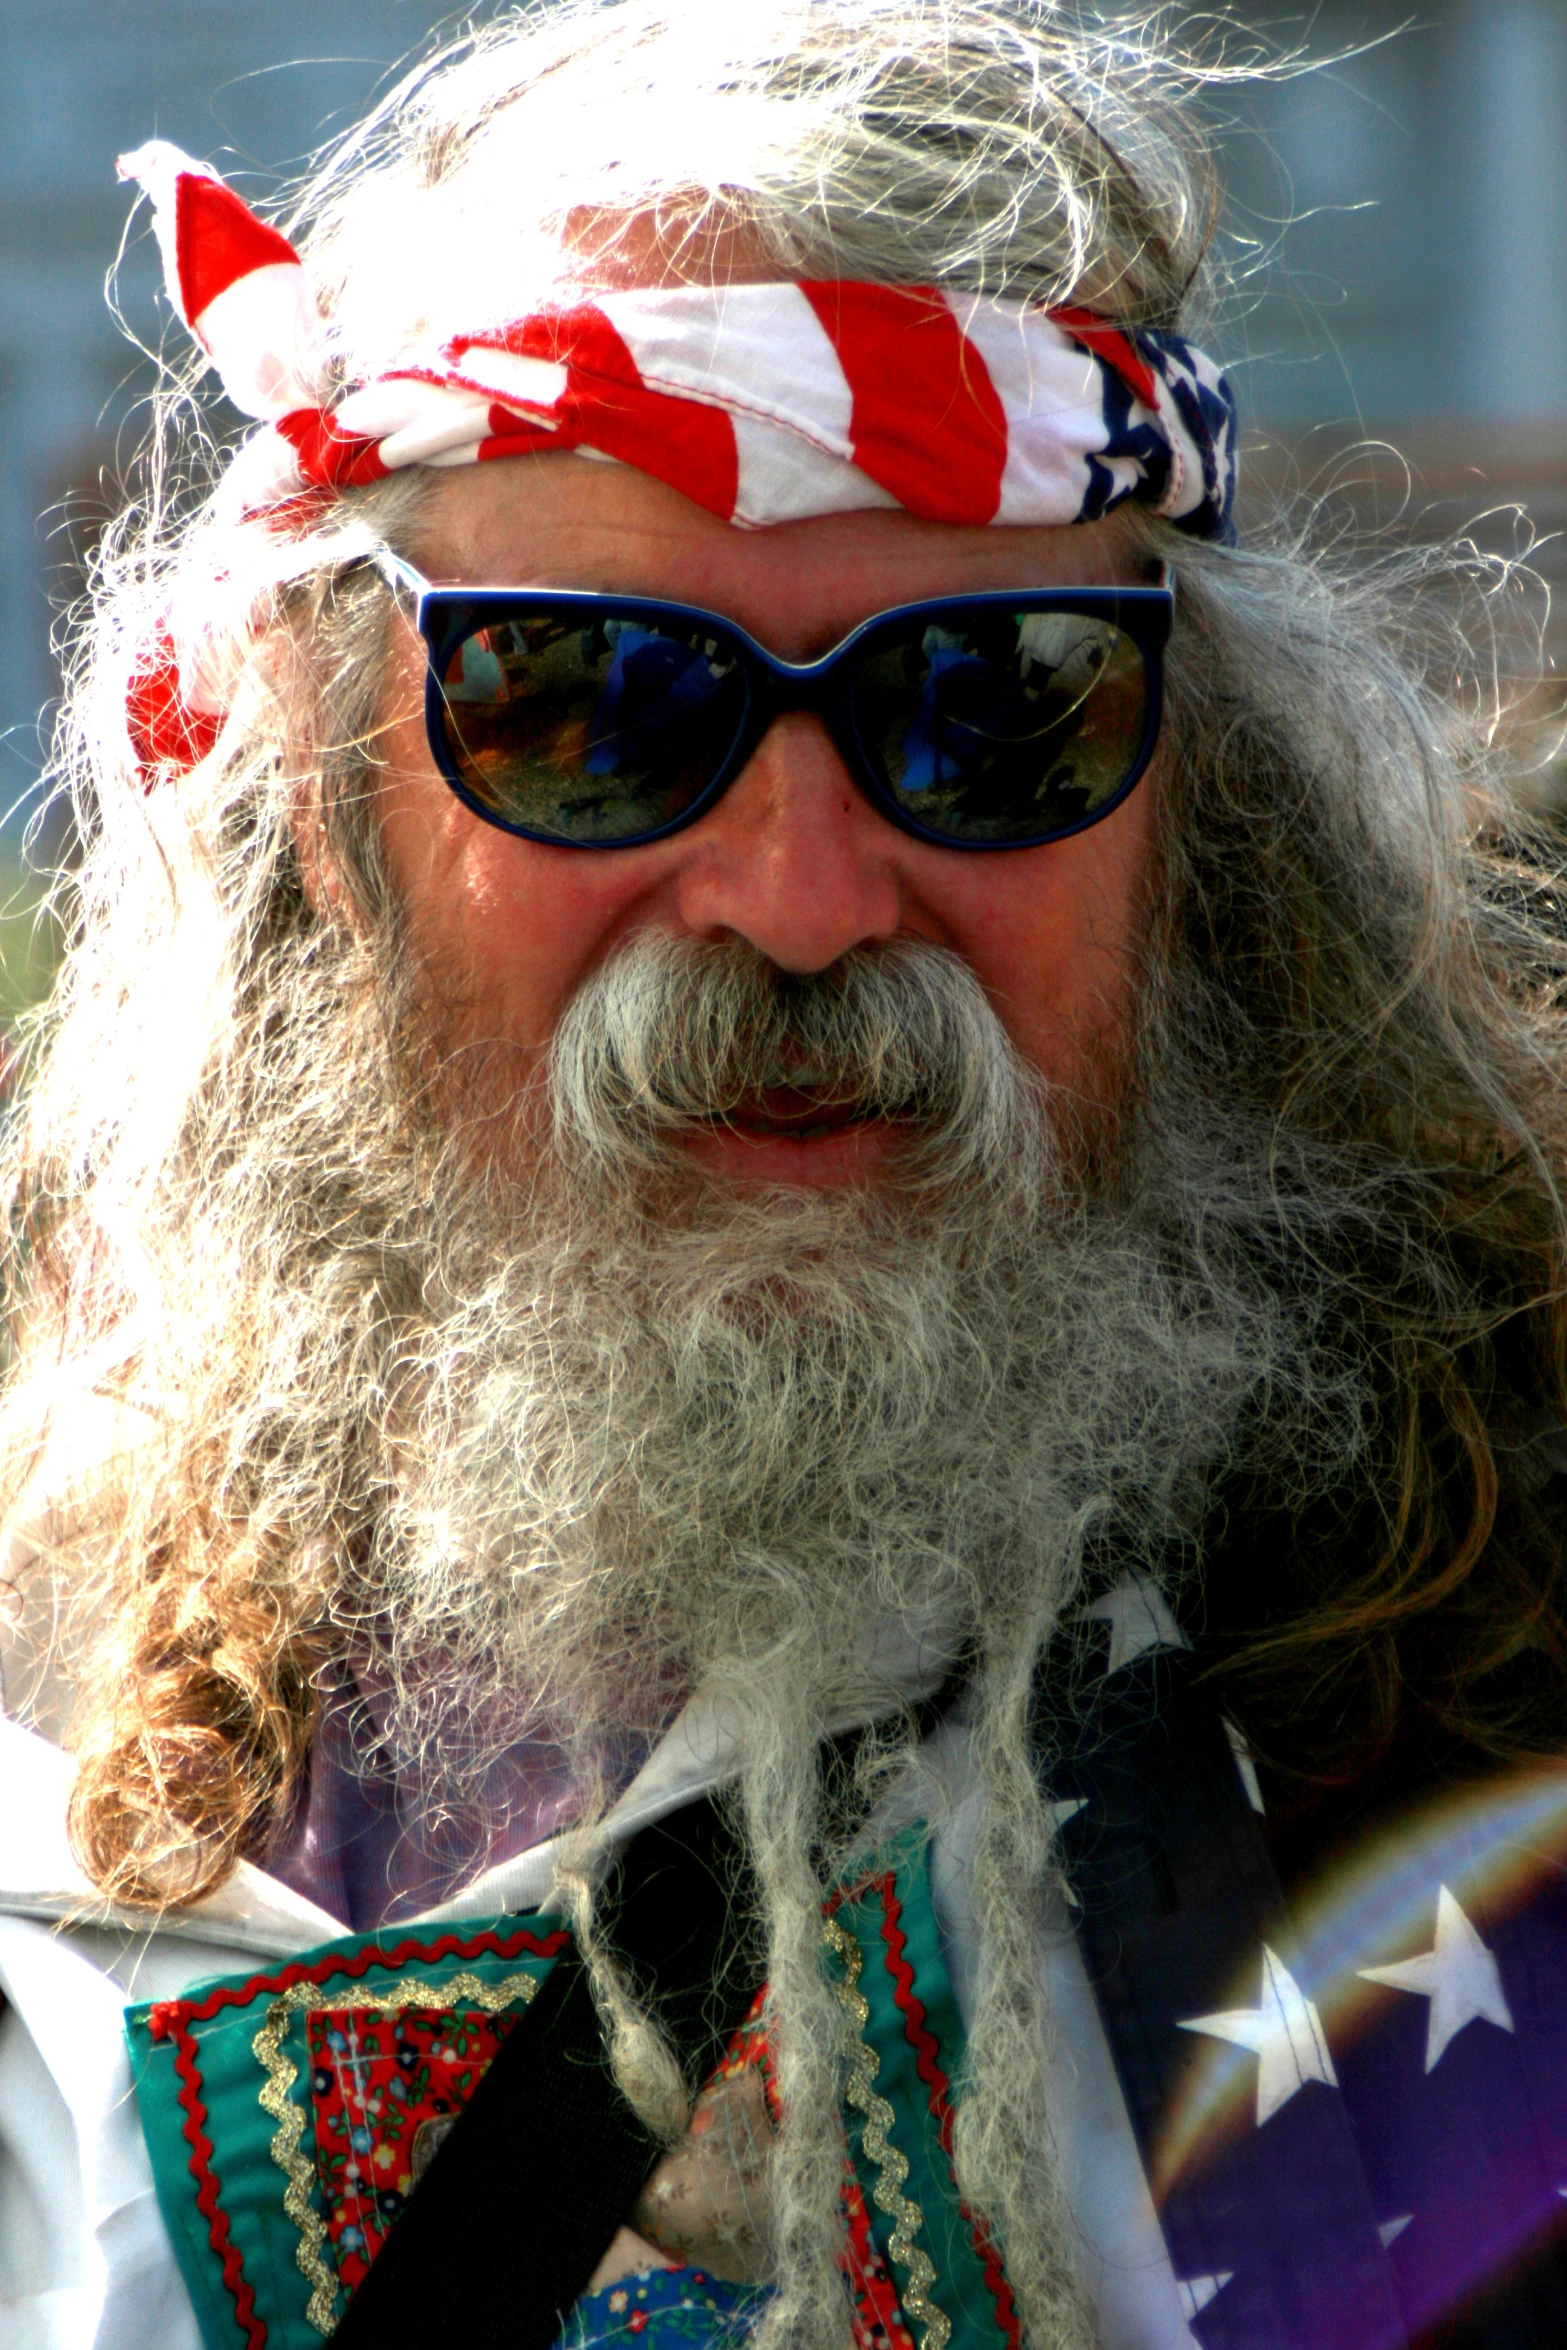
(927, 2061)
(172, 2015)
(916, 2031)
(172, 2019)
(206, 2178)
(869, 1883)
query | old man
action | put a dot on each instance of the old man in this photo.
(786, 1263)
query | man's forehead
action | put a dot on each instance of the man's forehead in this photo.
(560, 520)
(687, 238)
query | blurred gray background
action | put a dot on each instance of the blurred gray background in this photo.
(1405, 214)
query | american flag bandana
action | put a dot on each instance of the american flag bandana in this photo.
(763, 403)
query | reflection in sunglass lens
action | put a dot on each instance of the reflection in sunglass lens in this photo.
(596, 730)
(1005, 727)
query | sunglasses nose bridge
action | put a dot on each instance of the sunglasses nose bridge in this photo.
(778, 685)
(777, 688)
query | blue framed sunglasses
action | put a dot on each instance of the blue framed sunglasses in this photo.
(994, 721)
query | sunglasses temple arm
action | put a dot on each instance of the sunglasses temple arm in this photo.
(408, 586)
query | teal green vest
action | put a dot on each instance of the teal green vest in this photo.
(288, 2113)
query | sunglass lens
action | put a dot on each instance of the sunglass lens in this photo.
(1006, 728)
(591, 730)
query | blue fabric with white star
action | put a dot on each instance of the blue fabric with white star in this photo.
(1352, 2105)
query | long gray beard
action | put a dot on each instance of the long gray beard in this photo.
(658, 1436)
(653, 1427)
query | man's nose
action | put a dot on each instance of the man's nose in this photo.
(794, 858)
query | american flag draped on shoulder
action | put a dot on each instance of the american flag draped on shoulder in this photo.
(1350, 2098)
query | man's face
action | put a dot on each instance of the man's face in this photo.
(793, 860)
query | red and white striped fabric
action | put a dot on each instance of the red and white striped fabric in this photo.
(763, 403)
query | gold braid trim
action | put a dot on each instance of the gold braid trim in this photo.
(892, 2167)
(282, 2072)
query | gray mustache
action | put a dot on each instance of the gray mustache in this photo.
(675, 1032)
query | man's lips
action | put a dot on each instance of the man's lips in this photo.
(798, 1136)
(798, 1112)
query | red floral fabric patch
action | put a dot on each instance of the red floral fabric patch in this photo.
(877, 2321)
(384, 2088)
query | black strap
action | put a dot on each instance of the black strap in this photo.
(523, 2199)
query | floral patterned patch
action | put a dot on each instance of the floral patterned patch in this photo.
(289, 2110)
(663, 2306)
(877, 2321)
(384, 2089)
